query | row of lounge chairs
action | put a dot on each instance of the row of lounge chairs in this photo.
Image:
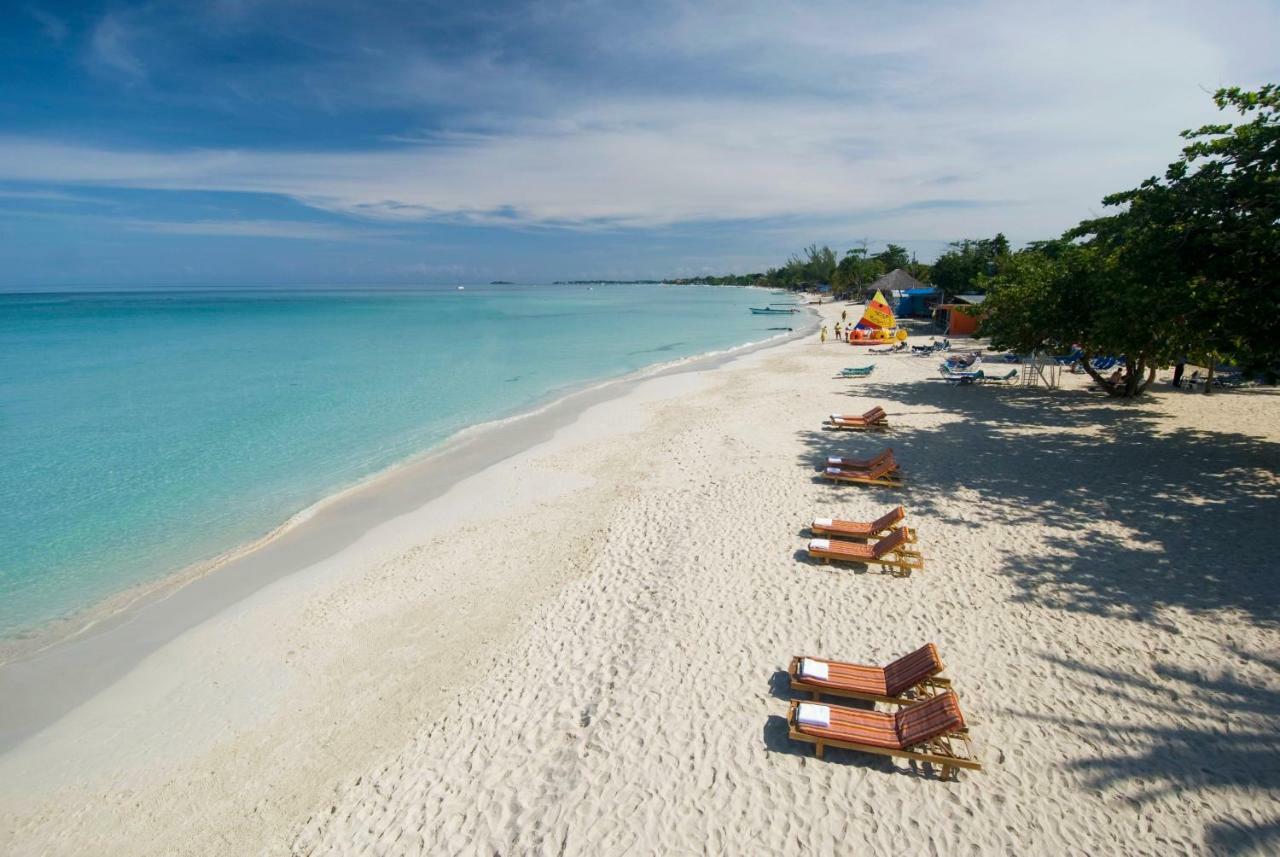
(926, 727)
(851, 542)
(1098, 364)
(925, 350)
(880, 471)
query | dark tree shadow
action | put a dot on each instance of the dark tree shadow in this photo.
(1200, 507)
(1225, 740)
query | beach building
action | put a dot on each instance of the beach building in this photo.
(950, 317)
(907, 295)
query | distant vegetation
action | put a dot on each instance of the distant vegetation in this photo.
(1188, 267)
(959, 270)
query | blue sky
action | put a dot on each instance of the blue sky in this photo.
(288, 142)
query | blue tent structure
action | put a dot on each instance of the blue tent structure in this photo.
(915, 302)
(907, 295)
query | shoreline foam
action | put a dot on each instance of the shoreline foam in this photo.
(124, 608)
(76, 581)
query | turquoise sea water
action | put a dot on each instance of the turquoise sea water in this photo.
(144, 432)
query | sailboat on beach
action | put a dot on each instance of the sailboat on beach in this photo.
(877, 325)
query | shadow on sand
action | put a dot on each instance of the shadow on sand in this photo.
(1200, 516)
(1225, 740)
(1200, 507)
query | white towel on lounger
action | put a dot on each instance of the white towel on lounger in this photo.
(835, 418)
(809, 668)
(833, 460)
(819, 544)
(834, 470)
(822, 522)
(811, 714)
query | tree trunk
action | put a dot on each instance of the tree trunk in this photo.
(1208, 381)
(1109, 388)
(1133, 369)
(1151, 376)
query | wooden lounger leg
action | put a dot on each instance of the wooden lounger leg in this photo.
(817, 749)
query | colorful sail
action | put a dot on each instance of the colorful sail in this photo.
(878, 315)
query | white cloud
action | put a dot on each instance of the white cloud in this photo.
(946, 123)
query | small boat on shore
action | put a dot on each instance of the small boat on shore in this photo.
(769, 310)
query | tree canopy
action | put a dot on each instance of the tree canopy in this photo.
(1187, 268)
(962, 269)
(855, 271)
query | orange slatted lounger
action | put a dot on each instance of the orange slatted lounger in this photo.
(842, 463)
(875, 418)
(907, 680)
(829, 527)
(891, 552)
(884, 474)
(930, 731)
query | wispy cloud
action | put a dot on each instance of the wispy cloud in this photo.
(53, 27)
(54, 196)
(111, 49)
(292, 229)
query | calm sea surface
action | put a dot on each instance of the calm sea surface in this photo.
(144, 432)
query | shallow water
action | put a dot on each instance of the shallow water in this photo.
(145, 432)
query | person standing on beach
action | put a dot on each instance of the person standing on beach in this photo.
(824, 333)
(837, 330)
(844, 315)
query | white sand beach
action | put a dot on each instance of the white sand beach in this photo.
(580, 649)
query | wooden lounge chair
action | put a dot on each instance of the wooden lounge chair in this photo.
(871, 413)
(875, 414)
(932, 730)
(876, 418)
(905, 681)
(860, 463)
(892, 552)
(834, 527)
(884, 475)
